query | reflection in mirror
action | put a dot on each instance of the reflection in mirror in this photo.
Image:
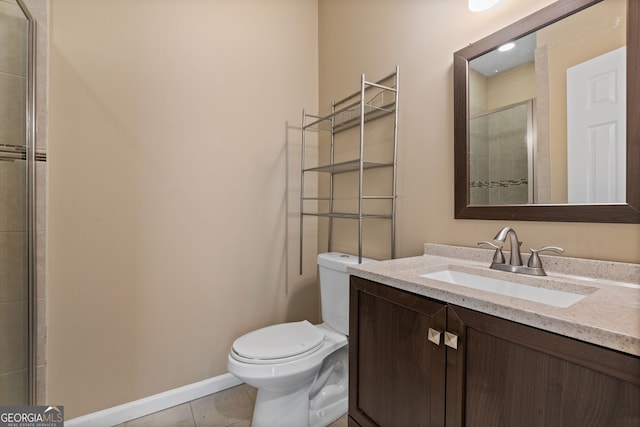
(574, 71)
(541, 116)
(500, 147)
(596, 124)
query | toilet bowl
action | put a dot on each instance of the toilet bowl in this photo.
(301, 369)
(285, 383)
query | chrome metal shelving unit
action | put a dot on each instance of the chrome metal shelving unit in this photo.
(373, 101)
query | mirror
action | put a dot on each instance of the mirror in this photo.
(524, 146)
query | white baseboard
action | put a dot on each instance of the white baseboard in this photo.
(158, 402)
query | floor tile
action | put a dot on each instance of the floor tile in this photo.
(231, 407)
(340, 422)
(252, 392)
(178, 416)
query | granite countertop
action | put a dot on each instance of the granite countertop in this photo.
(608, 316)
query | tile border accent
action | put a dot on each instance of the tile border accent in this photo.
(158, 402)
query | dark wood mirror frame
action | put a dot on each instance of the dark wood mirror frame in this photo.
(607, 213)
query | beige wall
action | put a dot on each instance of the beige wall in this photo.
(173, 157)
(174, 147)
(511, 86)
(373, 36)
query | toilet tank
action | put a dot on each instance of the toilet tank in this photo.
(334, 288)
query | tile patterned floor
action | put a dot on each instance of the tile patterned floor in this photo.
(229, 408)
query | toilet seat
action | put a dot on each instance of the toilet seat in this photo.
(284, 342)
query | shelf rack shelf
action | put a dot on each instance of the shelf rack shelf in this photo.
(373, 101)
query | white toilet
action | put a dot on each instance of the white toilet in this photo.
(300, 369)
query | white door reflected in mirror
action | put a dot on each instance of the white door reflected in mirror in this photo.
(596, 129)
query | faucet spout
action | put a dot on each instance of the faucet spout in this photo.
(534, 265)
(514, 259)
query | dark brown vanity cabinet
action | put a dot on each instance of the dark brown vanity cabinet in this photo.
(486, 371)
(396, 377)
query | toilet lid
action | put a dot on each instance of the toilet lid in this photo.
(279, 341)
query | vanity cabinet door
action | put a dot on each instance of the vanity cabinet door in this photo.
(508, 374)
(397, 376)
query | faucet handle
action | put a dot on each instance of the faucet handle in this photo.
(498, 256)
(534, 259)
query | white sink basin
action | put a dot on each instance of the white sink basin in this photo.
(503, 287)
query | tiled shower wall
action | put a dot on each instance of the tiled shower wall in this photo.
(499, 170)
(13, 231)
(13, 299)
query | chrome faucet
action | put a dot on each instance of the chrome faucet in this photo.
(515, 259)
(515, 265)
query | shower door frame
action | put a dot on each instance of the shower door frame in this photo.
(30, 134)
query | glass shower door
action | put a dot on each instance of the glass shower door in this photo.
(15, 169)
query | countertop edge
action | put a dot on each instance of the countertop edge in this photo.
(401, 274)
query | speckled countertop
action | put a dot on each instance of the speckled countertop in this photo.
(609, 315)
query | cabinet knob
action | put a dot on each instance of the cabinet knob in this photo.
(451, 340)
(434, 336)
